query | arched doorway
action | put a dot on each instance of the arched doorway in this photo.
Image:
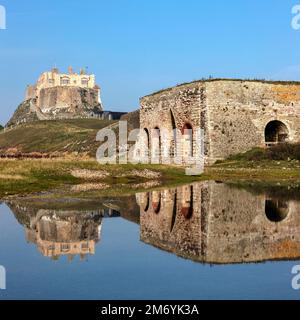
(187, 142)
(156, 146)
(145, 144)
(276, 210)
(276, 132)
(174, 136)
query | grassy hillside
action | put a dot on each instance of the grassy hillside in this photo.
(76, 135)
(280, 152)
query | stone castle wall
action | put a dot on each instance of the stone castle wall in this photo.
(53, 79)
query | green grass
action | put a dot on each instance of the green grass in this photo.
(61, 136)
(34, 176)
(30, 176)
(281, 152)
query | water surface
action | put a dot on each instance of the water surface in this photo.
(207, 240)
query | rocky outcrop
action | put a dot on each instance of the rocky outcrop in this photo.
(23, 114)
(58, 103)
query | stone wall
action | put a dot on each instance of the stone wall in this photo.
(239, 112)
(233, 114)
(173, 109)
(133, 120)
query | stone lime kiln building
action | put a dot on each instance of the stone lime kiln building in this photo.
(235, 115)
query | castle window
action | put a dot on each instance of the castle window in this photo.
(51, 81)
(64, 81)
(84, 81)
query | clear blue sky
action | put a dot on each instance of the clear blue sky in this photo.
(138, 46)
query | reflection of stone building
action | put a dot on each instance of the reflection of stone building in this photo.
(214, 223)
(58, 232)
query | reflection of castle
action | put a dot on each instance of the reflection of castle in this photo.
(62, 232)
(214, 223)
(68, 234)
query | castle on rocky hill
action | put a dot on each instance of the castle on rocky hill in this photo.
(62, 96)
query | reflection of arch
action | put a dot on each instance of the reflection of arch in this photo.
(187, 137)
(187, 208)
(276, 132)
(174, 213)
(276, 210)
(147, 206)
(156, 201)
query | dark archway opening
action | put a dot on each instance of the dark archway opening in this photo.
(146, 141)
(187, 133)
(156, 146)
(276, 132)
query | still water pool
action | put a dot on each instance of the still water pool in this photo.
(207, 240)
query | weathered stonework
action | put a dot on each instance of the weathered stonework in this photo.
(234, 114)
(213, 223)
(60, 96)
